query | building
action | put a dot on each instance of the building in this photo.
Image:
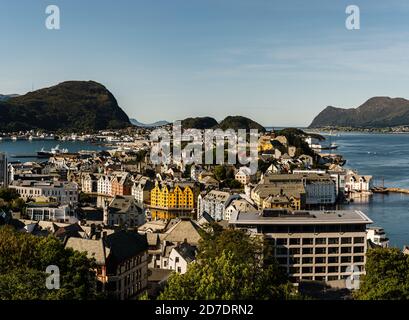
(4, 175)
(320, 189)
(104, 185)
(49, 212)
(311, 245)
(89, 183)
(215, 203)
(176, 197)
(62, 192)
(181, 256)
(237, 205)
(123, 211)
(243, 175)
(357, 183)
(122, 262)
(121, 185)
(266, 195)
(141, 190)
(377, 236)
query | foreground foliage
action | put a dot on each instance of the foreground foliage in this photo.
(229, 266)
(23, 262)
(387, 276)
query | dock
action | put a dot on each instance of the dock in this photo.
(388, 190)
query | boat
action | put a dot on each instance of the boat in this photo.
(54, 151)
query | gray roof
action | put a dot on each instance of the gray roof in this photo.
(285, 217)
(93, 248)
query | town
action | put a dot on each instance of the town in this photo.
(143, 221)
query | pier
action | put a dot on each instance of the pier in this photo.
(388, 190)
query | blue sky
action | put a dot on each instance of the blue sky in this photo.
(278, 62)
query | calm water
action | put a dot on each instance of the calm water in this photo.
(25, 147)
(386, 158)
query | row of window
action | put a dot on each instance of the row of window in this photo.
(318, 241)
(319, 250)
(318, 260)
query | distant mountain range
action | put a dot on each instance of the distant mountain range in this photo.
(230, 122)
(148, 125)
(377, 112)
(71, 105)
(5, 97)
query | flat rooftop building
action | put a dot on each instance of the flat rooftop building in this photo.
(312, 245)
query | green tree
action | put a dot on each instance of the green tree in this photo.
(220, 172)
(23, 262)
(8, 194)
(387, 276)
(230, 265)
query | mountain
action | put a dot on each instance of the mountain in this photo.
(71, 105)
(149, 125)
(5, 97)
(230, 122)
(239, 122)
(199, 123)
(377, 112)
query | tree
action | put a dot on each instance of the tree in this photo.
(220, 172)
(387, 276)
(8, 194)
(23, 262)
(230, 265)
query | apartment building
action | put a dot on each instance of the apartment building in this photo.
(173, 197)
(320, 189)
(311, 245)
(122, 262)
(104, 185)
(89, 183)
(121, 185)
(49, 212)
(215, 204)
(62, 192)
(141, 190)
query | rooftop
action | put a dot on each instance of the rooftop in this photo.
(285, 217)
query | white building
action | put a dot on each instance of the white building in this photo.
(57, 213)
(312, 245)
(123, 211)
(104, 185)
(378, 236)
(243, 175)
(215, 204)
(141, 190)
(357, 183)
(180, 257)
(62, 192)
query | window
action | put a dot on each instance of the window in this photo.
(346, 259)
(307, 241)
(319, 269)
(307, 250)
(320, 260)
(320, 241)
(321, 250)
(333, 241)
(333, 259)
(294, 241)
(346, 240)
(307, 260)
(333, 269)
(346, 250)
(333, 250)
(359, 240)
(177, 259)
(179, 269)
(294, 251)
(358, 249)
(281, 242)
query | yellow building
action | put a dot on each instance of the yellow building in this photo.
(173, 198)
(264, 143)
